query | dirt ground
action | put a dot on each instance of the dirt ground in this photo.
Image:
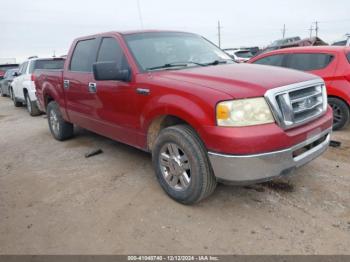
(55, 201)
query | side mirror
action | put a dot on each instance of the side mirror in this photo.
(15, 74)
(110, 71)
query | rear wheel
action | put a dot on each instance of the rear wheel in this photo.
(182, 165)
(11, 93)
(60, 129)
(16, 103)
(340, 112)
(32, 107)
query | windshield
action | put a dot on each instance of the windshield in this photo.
(244, 54)
(9, 73)
(154, 50)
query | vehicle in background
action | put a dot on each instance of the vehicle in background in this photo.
(239, 55)
(343, 42)
(204, 118)
(329, 62)
(5, 67)
(293, 42)
(6, 82)
(22, 89)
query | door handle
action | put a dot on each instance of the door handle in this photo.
(65, 84)
(92, 87)
(143, 91)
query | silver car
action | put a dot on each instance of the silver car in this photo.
(6, 82)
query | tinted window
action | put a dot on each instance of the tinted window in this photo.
(273, 60)
(308, 62)
(244, 54)
(23, 68)
(84, 56)
(46, 64)
(110, 50)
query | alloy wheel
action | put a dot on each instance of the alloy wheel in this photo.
(175, 166)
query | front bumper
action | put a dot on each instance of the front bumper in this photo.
(250, 169)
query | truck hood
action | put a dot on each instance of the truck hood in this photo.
(238, 80)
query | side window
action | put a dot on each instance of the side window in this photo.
(273, 60)
(24, 68)
(111, 51)
(83, 56)
(348, 57)
(309, 62)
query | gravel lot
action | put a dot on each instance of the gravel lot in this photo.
(55, 201)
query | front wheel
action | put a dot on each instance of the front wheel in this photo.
(32, 107)
(182, 165)
(60, 129)
(340, 112)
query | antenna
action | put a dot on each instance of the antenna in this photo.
(140, 13)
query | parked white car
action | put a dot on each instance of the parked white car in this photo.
(22, 90)
(239, 55)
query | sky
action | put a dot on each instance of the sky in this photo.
(45, 27)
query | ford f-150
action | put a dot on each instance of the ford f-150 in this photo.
(204, 118)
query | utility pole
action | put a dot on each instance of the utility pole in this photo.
(316, 28)
(140, 13)
(311, 30)
(219, 33)
(284, 31)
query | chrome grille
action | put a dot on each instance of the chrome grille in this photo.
(297, 104)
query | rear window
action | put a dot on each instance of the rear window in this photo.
(273, 60)
(309, 62)
(84, 56)
(244, 54)
(46, 64)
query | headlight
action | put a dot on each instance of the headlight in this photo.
(244, 112)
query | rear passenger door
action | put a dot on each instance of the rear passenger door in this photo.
(19, 80)
(80, 103)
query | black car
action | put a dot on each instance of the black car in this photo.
(6, 82)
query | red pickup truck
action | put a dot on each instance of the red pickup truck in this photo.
(204, 118)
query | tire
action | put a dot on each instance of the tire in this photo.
(11, 93)
(32, 107)
(182, 166)
(60, 129)
(340, 113)
(1, 92)
(16, 103)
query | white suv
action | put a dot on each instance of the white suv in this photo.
(22, 90)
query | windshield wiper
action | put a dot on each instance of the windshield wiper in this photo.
(217, 62)
(175, 64)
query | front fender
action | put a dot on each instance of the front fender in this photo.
(196, 113)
